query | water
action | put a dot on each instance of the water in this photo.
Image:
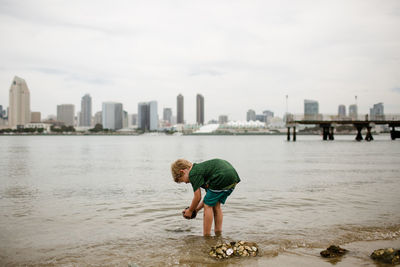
(111, 200)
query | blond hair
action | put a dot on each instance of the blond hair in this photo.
(177, 166)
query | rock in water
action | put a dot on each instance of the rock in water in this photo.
(193, 214)
(232, 249)
(387, 255)
(333, 252)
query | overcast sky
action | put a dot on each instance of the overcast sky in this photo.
(239, 55)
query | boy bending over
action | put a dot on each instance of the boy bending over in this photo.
(217, 177)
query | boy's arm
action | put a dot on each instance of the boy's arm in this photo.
(195, 202)
(200, 206)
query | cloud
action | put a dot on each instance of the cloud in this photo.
(396, 90)
(69, 76)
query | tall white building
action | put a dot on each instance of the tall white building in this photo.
(66, 114)
(19, 105)
(85, 118)
(112, 115)
(148, 116)
(251, 115)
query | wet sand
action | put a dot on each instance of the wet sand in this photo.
(358, 255)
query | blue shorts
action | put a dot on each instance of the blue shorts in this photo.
(214, 196)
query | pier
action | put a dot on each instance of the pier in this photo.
(328, 128)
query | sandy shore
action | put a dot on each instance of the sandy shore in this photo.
(358, 255)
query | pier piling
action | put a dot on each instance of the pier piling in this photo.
(359, 135)
(369, 137)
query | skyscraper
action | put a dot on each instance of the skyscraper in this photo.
(179, 110)
(86, 111)
(35, 117)
(222, 119)
(148, 116)
(251, 115)
(200, 109)
(353, 112)
(376, 112)
(19, 105)
(112, 115)
(311, 109)
(167, 115)
(98, 118)
(342, 111)
(1, 111)
(65, 114)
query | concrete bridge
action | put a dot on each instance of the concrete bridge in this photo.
(329, 126)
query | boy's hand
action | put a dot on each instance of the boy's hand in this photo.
(188, 214)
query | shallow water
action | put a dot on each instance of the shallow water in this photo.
(110, 200)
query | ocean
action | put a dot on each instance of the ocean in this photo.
(111, 200)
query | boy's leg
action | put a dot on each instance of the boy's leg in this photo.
(208, 219)
(218, 217)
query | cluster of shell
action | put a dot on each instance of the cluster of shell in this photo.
(228, 250)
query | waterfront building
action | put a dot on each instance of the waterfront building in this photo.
(251, 115)
(342, 111)
(311, 109)
(35, 117)
(112, 115)
(19, 112)
(261, 118)
(222, 119)
(33, 125)
(66, 114)
(132, 120)
(376, 112)
(85, 118)
(268, 115)
(167, 115)
(353, 112)
(98, 118)
(180, 119)
(148, 116)
(200, 109)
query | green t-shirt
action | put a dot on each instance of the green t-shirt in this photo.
(218, 174)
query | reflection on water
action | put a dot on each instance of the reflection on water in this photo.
(90, 200)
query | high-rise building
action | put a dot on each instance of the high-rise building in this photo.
(353, 112)
(376, 112)
(35, 117)
(132, 120)
(261, 117)
(341, 111)
(222, 119)
(179, 110)
(85, 118)
(66, 114)
(251, 115)
(167, 115)
(19, 112)
(112, 115)
(98, 118)
(200, 109)
(311, 109)
(148, 116)
(125, 120)
(1, 111)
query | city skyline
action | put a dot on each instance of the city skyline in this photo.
(247, 55)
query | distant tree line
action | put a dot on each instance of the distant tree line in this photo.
(22, 130)
(62, 129)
